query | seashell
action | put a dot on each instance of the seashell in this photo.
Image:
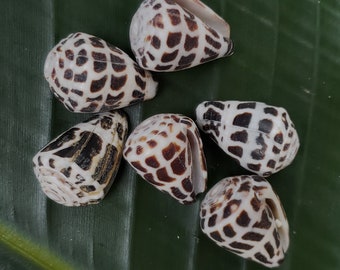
(78, 167)
(166, 151)
(261, 137)
(172, 35)
(90, 75)
(244, 215)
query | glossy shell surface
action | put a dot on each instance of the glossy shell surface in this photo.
(166, 150)
(261, 137)
(87, 74)
(79, 166)
(244, 215)
(174, 35)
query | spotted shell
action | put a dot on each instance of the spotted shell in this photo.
(88, 74)
(244, 215)
(173, 35)
(166, 150)
(78, 167)
(261, 137)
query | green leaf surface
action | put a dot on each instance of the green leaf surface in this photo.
(287, 53)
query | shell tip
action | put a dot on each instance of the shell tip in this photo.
(49, 64)
(151, 88)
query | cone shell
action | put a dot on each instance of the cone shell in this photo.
(166, 150)
(88, 74)
(244, 215)
(79, 166)
(261, 137)
(173, 35)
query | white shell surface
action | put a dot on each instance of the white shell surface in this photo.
(166, 151)
(87, 74)
(78, 167)
(174, 35)
(244, 215)
(261, 137)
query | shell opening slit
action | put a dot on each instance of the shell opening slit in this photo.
(197, 174)
(207, 15)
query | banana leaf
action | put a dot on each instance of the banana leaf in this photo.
(287, 53)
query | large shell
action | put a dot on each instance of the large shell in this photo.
(172, 35)
(79, 166)
(88, 74)
(166, 150)
(261, 137)
(244, 215)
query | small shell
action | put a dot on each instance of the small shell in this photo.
(261, 137)
(172, 35)
(166, 150)
(244, 215)
(79, 166)
(88, 74)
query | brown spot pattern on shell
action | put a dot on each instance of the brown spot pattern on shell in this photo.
(244, 215)
(78, 167)
(261, 137)
(89, 75)
(166, 150)
(175, 35)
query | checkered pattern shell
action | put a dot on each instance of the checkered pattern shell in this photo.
(174, 35)
(261, 137)
(87, 74)
(244, 215)
(79, 166)
(166, 150)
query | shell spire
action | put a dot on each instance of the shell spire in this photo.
(173, 35)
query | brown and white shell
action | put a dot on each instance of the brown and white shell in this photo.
(244, 215)
(261, 137)
(173, 35)
(87, 74)
(166, 151)
(78, 167)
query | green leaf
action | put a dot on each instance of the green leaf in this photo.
(287, 53)
(27, 249)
